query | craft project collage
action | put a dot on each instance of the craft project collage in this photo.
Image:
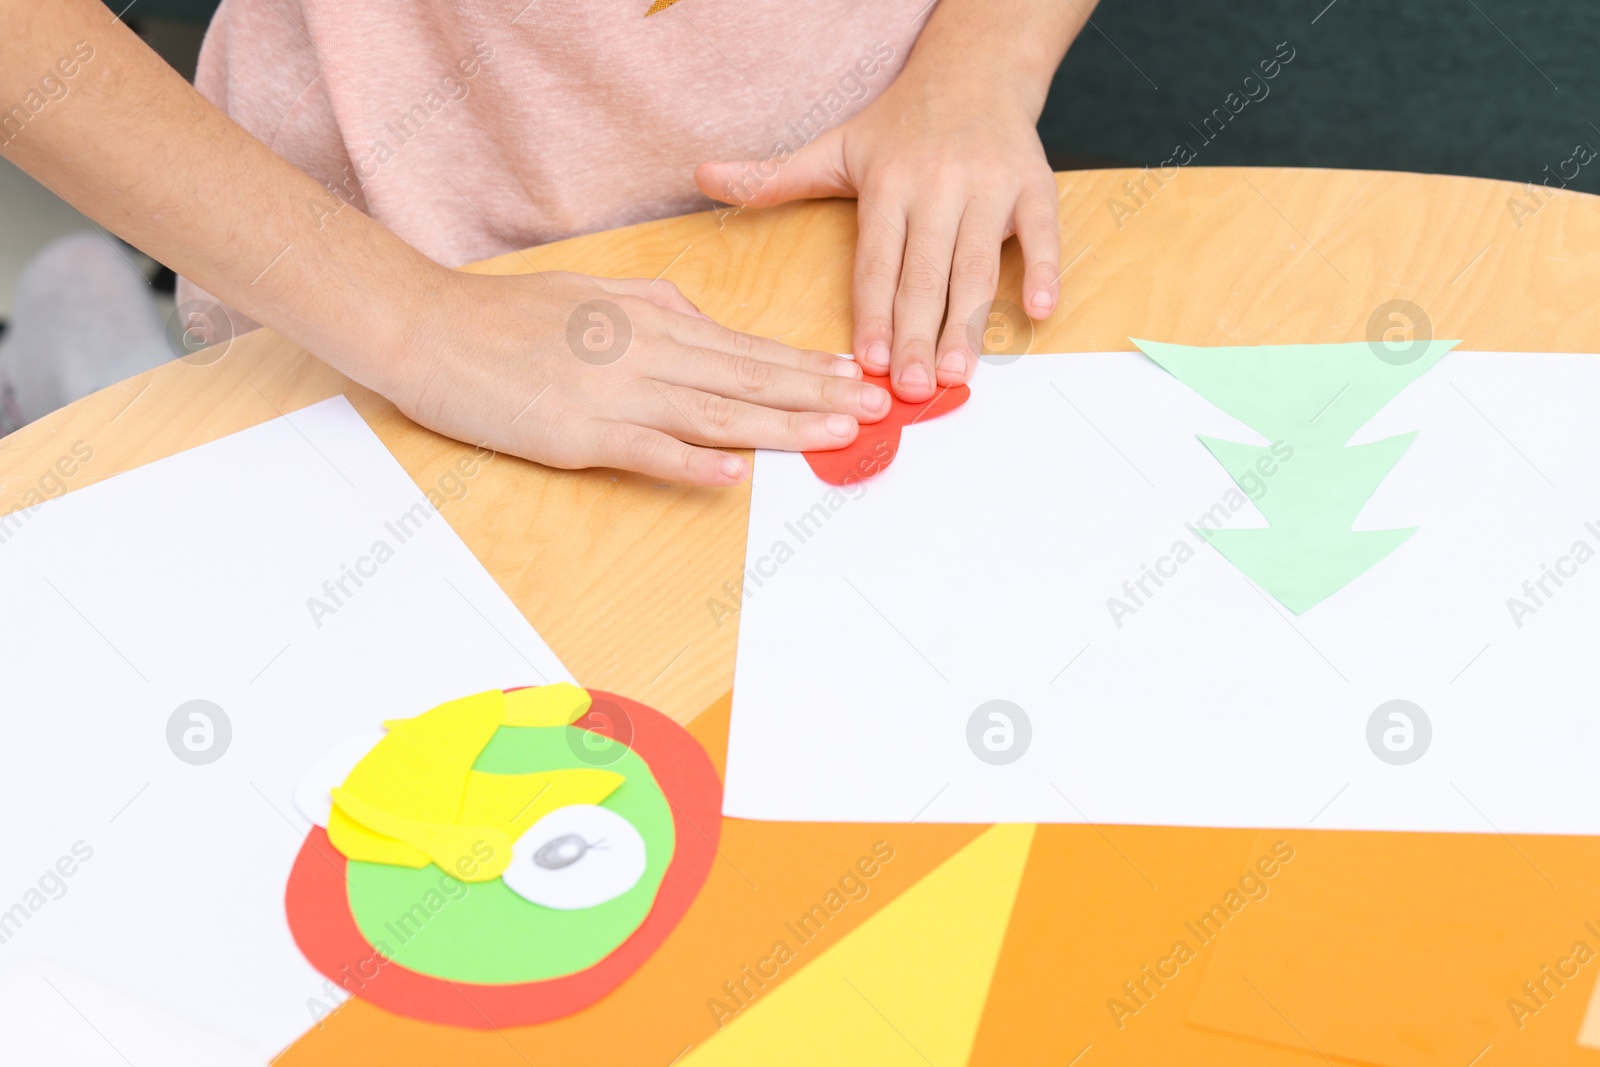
(481, 845)
(687, 533)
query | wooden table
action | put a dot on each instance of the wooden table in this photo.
(616, 571)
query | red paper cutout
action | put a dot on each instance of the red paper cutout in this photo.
(877, 444)
(319, 908)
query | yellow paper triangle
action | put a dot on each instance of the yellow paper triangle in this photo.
(560, 704)
(906, 987)
(513, 802)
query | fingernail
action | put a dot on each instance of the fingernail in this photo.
(846, 368)
(839, 425)
(874, 399)
(954, 362)
(733, 466)
(878, 356)
(915, 377)
(1042, 302)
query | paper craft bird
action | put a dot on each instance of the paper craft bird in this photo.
(503, 859)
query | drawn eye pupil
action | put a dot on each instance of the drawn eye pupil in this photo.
(559, 852)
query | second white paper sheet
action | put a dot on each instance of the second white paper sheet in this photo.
(1008, 553)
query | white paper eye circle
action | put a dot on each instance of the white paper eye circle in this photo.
(576, 857)
(311, 793)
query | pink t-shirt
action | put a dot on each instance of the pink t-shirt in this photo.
(471, 129)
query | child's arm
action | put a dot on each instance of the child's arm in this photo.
(484, 359)
(946, 164)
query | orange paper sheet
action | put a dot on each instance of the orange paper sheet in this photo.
(1096, 907)
(1416, 950)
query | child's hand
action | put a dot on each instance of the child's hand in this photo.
(946, 165)
(943, 177)
(573, 371)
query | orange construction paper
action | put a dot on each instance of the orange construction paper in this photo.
(1412, 950)
(766, 877)
(879, 442)
(1097, 905)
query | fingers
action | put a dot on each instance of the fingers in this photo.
(639, 448)
(660, 292)
(880, 247)
(776, 385)
(817, 170)
(919, 300)
(719, 338)
(1038, 227)
(709, 419)
(974, 273)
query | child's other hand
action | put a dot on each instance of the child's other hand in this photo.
(944, 171)
(573, 371)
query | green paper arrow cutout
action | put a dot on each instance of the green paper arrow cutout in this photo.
(1309, 400)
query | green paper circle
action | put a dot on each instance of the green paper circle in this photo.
(434, 924)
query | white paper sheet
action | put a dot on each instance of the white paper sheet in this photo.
(980, 565)
(189, 579)
(52, 1008)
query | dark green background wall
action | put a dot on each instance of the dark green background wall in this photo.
(1427, 85)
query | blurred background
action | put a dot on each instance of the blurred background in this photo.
(1490, 88)
(1493, 88)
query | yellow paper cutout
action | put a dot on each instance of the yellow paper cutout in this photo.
(470, 853)
(418, 773)
(359, 842)
(560, 704)
(513, 802)
(906, 987)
